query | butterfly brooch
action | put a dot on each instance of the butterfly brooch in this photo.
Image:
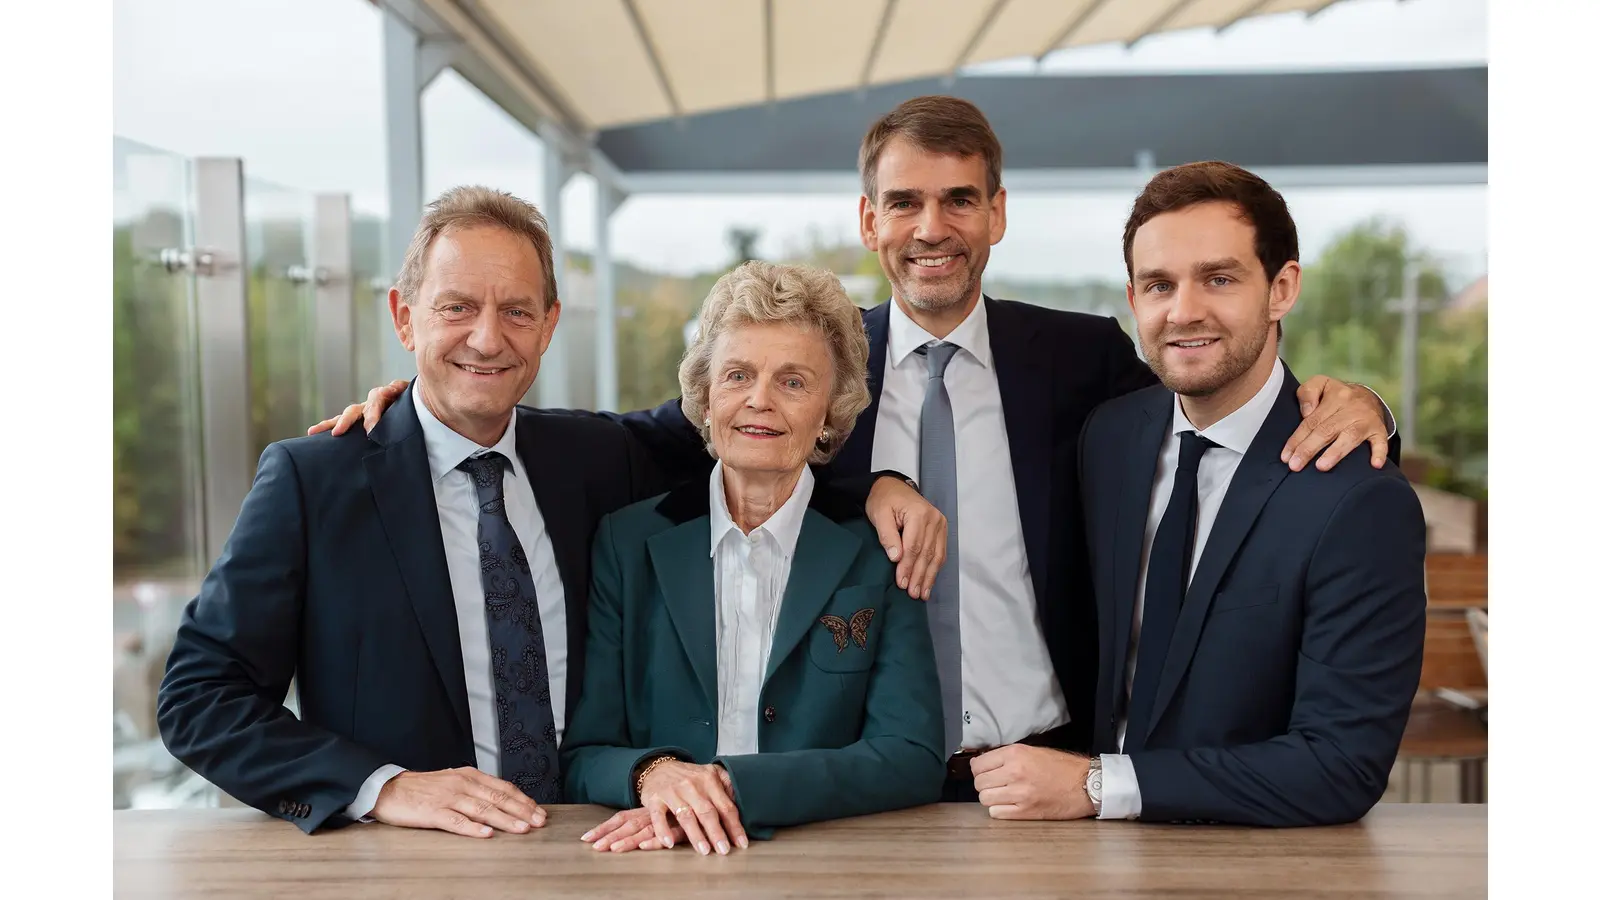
(856, 628)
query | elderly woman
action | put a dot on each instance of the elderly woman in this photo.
(751, 662)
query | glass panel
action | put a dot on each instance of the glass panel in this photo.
(370, 295)
(156, 503)
(282, 313)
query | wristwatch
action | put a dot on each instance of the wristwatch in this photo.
(1091, 783)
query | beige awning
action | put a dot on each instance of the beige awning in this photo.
(604, 63)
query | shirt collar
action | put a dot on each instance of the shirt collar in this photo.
(784, 526)
(1237, 429)
(447, 448)
(972, 335)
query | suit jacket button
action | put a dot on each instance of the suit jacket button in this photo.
(771, 714)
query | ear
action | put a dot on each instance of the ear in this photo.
(869, 224)
(1135, 309)
(551, 317)
(1285, 291)
(400, 311)
(997, 218)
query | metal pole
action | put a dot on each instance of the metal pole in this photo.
(402, 101)
(553, 384)
(605, 330)
(222, 316)
(331, 270)
(1409, 307)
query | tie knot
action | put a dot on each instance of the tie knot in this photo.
(1191, 446)
(484, 469)
(938, 355)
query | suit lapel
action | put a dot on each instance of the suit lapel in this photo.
(1026, 402)
(683, 566)
(563, 508)
(402, 488)
(855, 457)
(1258, 476)
(1133, 518)
(822, 556)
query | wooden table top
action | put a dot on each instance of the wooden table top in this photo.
(944, 850)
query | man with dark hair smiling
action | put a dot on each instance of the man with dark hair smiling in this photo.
(1260, 629)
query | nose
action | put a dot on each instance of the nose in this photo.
(486, 337)
(1186, 306)
(760, 395)
(931, 225)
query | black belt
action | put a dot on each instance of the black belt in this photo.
(960, 764)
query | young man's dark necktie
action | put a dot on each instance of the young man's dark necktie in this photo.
(1166, 581)
(525, 720)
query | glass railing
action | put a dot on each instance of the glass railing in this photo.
(157, 537)
(282, 325)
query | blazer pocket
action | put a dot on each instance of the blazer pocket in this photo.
(844, 636)
(1245, 597)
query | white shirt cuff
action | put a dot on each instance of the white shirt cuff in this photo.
(1119, 788)
(1388, 417)
(360, 809)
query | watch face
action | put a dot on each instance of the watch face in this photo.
(1094, 785)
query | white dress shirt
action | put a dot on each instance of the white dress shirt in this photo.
(1233, 434)
(752, 572)
(1009, 688)
(457, 501)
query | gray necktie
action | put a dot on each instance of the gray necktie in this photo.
(936, 468)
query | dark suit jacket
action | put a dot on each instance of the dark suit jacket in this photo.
(1053, 367)
(845, 730)
(335, 576)
(1295, 658)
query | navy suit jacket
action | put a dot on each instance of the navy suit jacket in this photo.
(334, 576)
(1297, 653)
(1054, 368)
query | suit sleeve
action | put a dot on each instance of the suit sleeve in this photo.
(671, 442)
(1360, 658)
(596, 755)
(220, 707)
(895, 764)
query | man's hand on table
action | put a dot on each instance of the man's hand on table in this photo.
(464, 801)
(1022, 782)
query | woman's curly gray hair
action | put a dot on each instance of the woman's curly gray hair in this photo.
(766, 293)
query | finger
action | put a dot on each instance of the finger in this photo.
(1004, 795)
(1339, 449)
(993, 778)
(457, 822)
(1301, 434)
(343, 421)
(1380, 448)
(912, 556)
(1006, 811)
(689, 820)
(1320, 434)
(888, 536)
(1310, 394)
(926, 570)
(322, 426)
(505, 795)
(480, 809)
(994, 759)
(729, 813)
(607, 827)
(631, 841)
(629, 828)
(659, 821)
(710, 818)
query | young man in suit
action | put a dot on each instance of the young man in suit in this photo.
(981, 402)
(1260, 629)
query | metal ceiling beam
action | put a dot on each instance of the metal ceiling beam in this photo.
(1068, 31)
(1243, 14)
(655, 57)
(1160, 22)
(978, 34)
(877, 43)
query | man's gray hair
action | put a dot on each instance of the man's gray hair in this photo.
(471, 206)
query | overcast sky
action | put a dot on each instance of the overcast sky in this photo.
(295, 88)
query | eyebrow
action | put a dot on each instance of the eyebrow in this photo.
(450, 296)
(1208, 267)
(961, 192)
(788, 366)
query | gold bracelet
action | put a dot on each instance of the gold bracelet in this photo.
(638, 783)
